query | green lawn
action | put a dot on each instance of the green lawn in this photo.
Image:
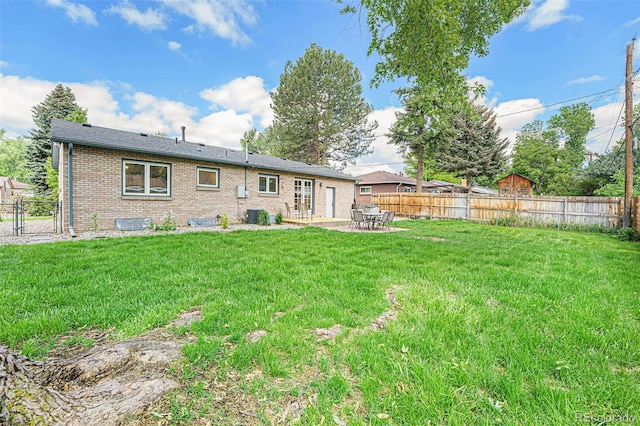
(492, 325)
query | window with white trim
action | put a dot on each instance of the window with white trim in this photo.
(365, 190)
(408, 189)
(207, 177)
(146, 178)
(268, 184)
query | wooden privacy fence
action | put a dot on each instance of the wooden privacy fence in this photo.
(603, 211)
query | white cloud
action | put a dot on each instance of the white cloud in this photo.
(243, 94)
(584, 80)
(512, 115)
(227, 127)
(632, 22)
(548, 13)
(487, 84)
(174, 45)
(145, 112)
(18, 97)
(222, 18)
(75, 11)
(4, 64)
(606, 133)
(148, 20)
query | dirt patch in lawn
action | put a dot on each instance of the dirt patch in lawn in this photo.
(131, 381)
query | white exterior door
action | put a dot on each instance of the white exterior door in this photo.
(331, 203)
(303, 195)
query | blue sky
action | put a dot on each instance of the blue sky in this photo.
(210, 65)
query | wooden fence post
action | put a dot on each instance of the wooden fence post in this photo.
(635, 213)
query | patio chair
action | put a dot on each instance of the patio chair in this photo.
(388, 220)
(383, 220)
(288, 210)
(358, 218)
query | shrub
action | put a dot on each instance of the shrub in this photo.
(94, 219)
(38, 207)
(224, 221)
(279, 218)
(168, 223)
(628, 234)
(263, 218)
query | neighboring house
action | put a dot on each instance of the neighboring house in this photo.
(10, 188)
(515, 184)
(118, 174)
(382, 182)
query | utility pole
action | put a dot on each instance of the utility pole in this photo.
(628, 145)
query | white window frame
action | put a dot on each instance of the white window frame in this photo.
(269, 177)
(365, 190)
(408, 189)
(207, 169)
(147, 178)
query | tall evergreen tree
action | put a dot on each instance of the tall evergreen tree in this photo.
(476, 149)
(61, 104)
(321, 116)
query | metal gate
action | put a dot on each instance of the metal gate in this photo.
(8, 219)
(25, 216)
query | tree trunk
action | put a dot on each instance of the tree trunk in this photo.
(105, 385)
(419, 167)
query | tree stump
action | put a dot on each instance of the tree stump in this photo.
(104, 385)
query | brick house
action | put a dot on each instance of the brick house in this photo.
(119, 174)
(379, 182)
(515, 184)
(10, 188)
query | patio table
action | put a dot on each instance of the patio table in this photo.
(371, 218)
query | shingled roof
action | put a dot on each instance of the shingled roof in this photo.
(381, 176)
(102, 137)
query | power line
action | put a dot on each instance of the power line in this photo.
(560, 103)
(614, 127)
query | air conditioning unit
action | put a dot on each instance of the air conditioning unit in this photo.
(242, 191)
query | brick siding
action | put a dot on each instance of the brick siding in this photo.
(97, 188)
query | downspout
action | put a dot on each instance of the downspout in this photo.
(70, 189)
(246, 169)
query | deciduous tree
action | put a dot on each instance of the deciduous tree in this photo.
(429, 42)
(415, 134)
(12, 157)
(321, 116)
(572, 124)
(535, 154)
